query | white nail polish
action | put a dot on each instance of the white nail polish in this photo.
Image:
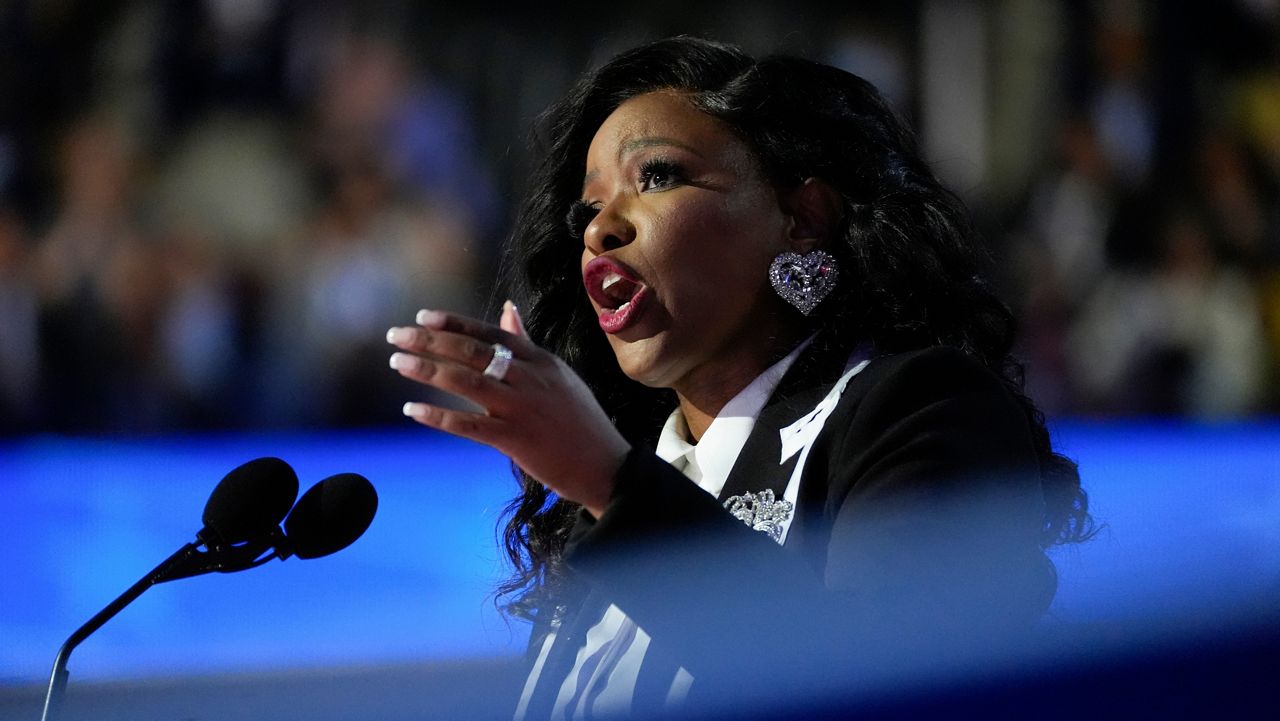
(393, 335)
(399, 361)
(411, 409)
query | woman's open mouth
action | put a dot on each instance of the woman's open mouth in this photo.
(615, 288)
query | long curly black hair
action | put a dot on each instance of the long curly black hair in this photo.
(911, 264)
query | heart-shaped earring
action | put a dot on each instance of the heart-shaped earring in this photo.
(804, 280)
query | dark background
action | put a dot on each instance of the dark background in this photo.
(211, 211)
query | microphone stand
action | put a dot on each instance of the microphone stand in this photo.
(188, 561)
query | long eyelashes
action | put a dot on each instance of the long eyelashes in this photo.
(579, 217)
(655, 174)
(659, 173)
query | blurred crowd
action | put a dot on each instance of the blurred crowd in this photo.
(1146, 253)
(226, 217)
(211, 211)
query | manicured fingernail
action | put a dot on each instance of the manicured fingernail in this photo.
(430, 317)
(414, 409)
(397, 335)
(403, 361)
(515, 314)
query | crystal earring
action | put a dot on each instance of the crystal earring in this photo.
(804, 280)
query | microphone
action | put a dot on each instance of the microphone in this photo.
(241, 524)
(249, 501)
(330, 516)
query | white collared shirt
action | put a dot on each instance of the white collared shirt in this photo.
(709, 461)
(602, 681)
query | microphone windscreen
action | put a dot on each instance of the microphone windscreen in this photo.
(251, 500)
(331, 515)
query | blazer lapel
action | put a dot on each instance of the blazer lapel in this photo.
(760, 465)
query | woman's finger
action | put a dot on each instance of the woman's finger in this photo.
(474, 426)
(511, 321)
(451, 346)
(457, 379)
(439, 320)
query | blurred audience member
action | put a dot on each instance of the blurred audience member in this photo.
(1236, 209)
(1062, 256)
(374, 107)
(99, 290)
(1121, 109)
(202, 341)
(1182, 340)
(402, 200)
(367, 257)
(19, 315)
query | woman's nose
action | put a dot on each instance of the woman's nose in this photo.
(609, 230)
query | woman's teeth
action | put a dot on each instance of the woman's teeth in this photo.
(617, 289)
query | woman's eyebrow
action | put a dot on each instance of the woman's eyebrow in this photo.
(649, 141)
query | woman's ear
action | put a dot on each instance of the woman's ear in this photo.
(815, 209)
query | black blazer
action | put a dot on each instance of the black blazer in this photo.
(916, 531)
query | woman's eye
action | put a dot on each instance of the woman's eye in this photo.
(579, 217)
(659, 174)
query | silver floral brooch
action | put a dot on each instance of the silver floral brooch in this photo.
(761, 512)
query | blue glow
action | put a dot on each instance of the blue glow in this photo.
(1192, 515)
(87, 518)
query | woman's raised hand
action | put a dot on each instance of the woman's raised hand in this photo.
(537, 411)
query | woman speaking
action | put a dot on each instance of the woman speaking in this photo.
(759, 394)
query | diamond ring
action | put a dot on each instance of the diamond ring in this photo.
(501, 361)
